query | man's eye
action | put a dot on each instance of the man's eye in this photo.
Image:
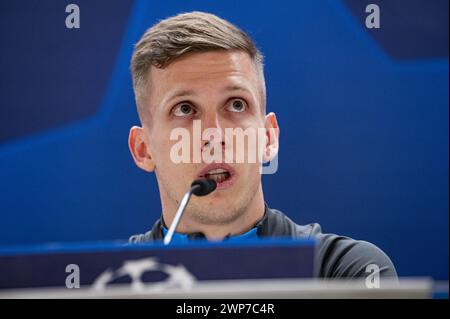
(237, 105)
(183, 110)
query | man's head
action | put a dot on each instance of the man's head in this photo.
(196, 66)
(184, 34)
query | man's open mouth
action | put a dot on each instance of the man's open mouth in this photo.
(223, 174)
(219, 175)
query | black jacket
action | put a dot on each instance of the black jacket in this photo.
(336, 256)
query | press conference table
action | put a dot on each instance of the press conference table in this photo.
(417, 288)
(259, 269)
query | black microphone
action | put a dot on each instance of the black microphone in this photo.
(199, 187)
(202, 187)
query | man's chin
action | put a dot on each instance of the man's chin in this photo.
(216, 199)
(214, 213)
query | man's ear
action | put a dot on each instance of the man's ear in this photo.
(272, 136)
(139, 148)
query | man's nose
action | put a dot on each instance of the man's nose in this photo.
(214, 131)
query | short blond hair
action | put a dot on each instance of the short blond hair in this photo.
(186, 33)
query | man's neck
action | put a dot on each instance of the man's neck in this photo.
(253, 213)
(238, 227)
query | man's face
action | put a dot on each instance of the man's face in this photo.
(222, 90)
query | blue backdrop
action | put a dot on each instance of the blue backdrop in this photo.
(363, 116)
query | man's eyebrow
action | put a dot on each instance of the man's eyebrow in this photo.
(177, 94)
(236, 87)
(187, 92)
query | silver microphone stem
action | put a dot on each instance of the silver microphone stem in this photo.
(178, 214)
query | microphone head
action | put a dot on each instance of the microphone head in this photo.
(203, 186)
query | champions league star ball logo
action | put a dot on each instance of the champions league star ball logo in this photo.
(178, 276)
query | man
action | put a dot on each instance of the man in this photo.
(197, 68)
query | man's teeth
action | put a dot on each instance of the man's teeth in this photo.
(219, 178)
(218, 175)
(217, 171)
